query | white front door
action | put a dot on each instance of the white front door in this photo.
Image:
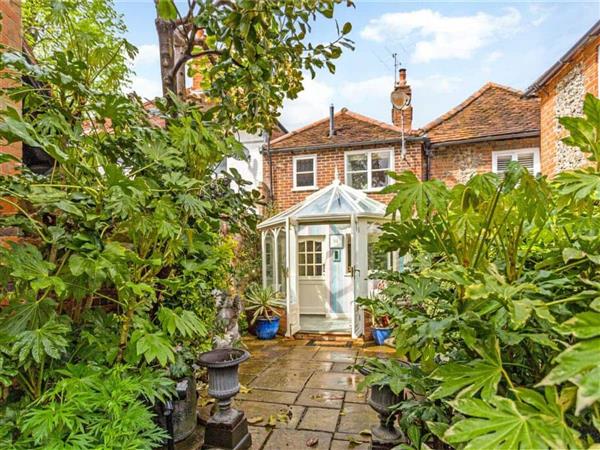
(313, 294)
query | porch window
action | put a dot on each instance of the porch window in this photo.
(348, 254)
(305, 172)
(269, 260)
(377, 258)
(310, 258)
(281, 263)
(528, 158)
(366, 170)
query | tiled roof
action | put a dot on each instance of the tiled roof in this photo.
(491, 111)
(350, 127)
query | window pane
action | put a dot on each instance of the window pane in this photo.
(318, 258)
(305, 179)
(319, 270)
(309, 258)
(302, 247)
(281, 263)
(302, 271)
(304, 165)
(309, 246)
(379, 179)
(309, 271)
(348, 253)
(502, 163)
(526, 160)
(357, 180)
(317, 246)
(380, 160)
(357, 162)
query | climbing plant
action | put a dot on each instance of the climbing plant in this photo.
(499, 309)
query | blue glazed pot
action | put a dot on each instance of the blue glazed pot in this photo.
(267, 329)
(381, 334)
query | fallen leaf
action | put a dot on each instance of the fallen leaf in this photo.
(353, 442)
(256, 419)
(245, 390)
(272, 421)
(342, 413)
(206, 401)
(312, 442)
(365, 432)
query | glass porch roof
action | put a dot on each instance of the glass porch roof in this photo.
(336, 201)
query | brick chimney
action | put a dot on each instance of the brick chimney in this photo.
(402, 87)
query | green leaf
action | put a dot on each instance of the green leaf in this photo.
(48, 340)
(503, 423)
(185, 322)
(412, 194)
(574, 360)
(572, 253)
(588, 391)
(347, 28)
(467, 379)
(583, 325)
(167, 9)
(155, 346)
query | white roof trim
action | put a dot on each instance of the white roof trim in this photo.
(360, 205)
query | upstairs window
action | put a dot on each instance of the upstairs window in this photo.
(528, 158)
(367, 170)
(305, 172)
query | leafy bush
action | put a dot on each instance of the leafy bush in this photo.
(500, 305)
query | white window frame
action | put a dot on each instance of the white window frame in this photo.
(314, 240)
(314, 187)
(515, 153)
(369, 152)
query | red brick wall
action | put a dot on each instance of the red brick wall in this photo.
(587, 57)
(10, 36)
(455, 164)
(327, 161)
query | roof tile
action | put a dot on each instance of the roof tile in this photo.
(492, 110)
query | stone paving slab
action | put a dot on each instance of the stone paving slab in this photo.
(274, 378)
(320, 398)
(335, 381)
(263, 395)
(337, 444)
(298, 364)
(341, 367)
(259, 436)
(319, 419)
(297, 439)
(356, 397)
(255, 410)
(356, 417)
(337, 356)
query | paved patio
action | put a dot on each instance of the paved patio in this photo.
(298, 394)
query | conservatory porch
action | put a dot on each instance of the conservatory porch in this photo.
(318, 254)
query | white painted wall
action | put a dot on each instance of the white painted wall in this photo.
(251, 170)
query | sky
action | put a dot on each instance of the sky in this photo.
(449, 49)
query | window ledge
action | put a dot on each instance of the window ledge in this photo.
(373, 190)
(305, 188)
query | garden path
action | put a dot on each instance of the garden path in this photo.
(299, 394)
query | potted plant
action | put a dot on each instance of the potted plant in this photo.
(262, 304)
(378, 308)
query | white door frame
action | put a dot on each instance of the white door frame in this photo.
(293, 306)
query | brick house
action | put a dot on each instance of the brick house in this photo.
(561, 90)
(325, 179)
(489, 129)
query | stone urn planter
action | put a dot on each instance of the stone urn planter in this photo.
(385, 436)
(227, 428)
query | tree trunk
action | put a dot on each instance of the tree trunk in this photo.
(165, 30)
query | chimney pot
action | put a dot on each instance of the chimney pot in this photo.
(402, 77)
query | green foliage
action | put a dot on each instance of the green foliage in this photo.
(263, 302)
(107, 292)
(499, 306)
(254, 54)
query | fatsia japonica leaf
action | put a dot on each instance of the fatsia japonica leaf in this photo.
(574, 361)
(178, 320)
(48, 340)
(534, 422)
(155, 346)
(412, 194)
(26, 262)
(467, 379)
(584, 325)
